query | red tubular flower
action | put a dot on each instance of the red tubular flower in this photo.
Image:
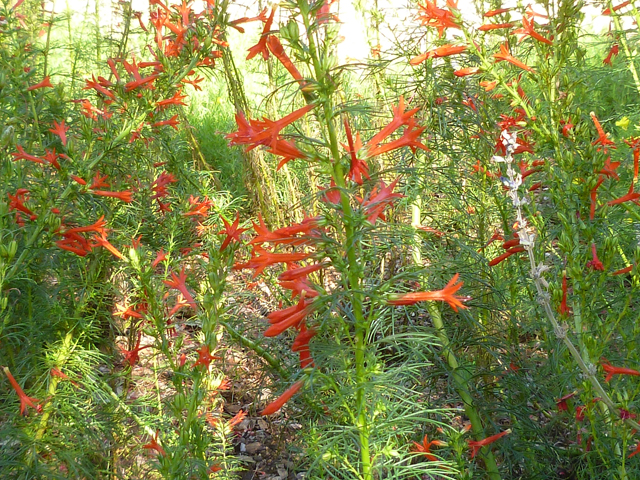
(611, 370)
(45, 83)
(57, 373)
(634, 143)
(281, 320)
(125, 196)
(608, 11)
(498, 11)
(97, 227)
(528, 31)
(285, 149)
(131, 356)
(562, 403)
(154, 445)
(172, 122)
(425, 448)
(476, 445)
(409, 139)
(261, 46)
(506, 255)
(630, 196)
(277, 404)
(447, 294)
(624, 270)
(231, 231)
(299, 272)
(609, 168)
(439, 52)
(379, 199)
(495, 26)
(603, 138)
(198, 208)
(277, 49)
(101, 240)
(261, 258)
(60, 129)
(465, 72)
(504, 55)
(359, 168)
(284, 235)
(564, 309)
(613, 52)
(205, 357)
(16, 202)
(126, 312)
(580, 409)
(95, 85)
(178, 282)
(175, 100)
(22, 155)
(400, 118)
(438, 18)
(636, 451)
(595, 262)
(25, 401)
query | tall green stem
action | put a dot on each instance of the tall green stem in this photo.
(354, 268)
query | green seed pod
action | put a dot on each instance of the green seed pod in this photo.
(3, 303)
(4, 252)
(13, 249)
(7, 136)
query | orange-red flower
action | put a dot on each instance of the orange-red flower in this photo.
(465, 72)
(603, 138)
(425, 447)
(562, 403)
(60, 129)
(506, 56)
(611, 370)
(277, 49)
(447, 294)
(178, 282)
(131, 356)
(608, 11)
(497, 11)
(476, 445)
(25, 401)
(439, 18)
(277, 404)
(292, 316)
(204, 357)
(506, 255)
(400, 118)
(22, 155)
(595, 262)
(45, 83)
(359, 168)
(154, 445)
(564, 309)
(612, 52)
(439, 52)
(630, 196)
(261, 46)
(231, 231)
(494, 26)
(527, 30)
(125, 196)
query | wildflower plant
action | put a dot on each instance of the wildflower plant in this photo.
(98, 236)
(340, 331)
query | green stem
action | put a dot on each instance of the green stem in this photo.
(460, 381)
(244, 341)
(354, 267)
